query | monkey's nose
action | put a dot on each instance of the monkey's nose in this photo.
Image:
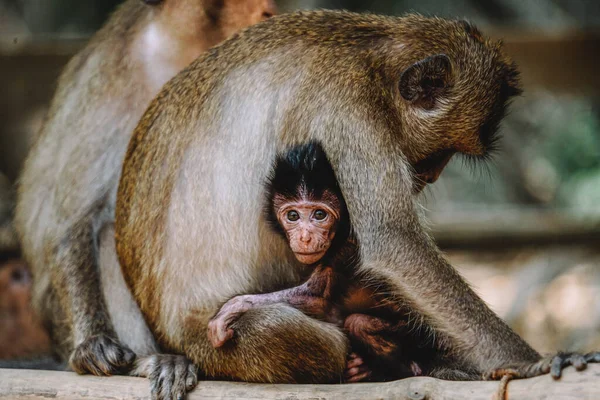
(305, 237)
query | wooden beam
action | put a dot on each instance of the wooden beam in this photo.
(28, 384)
(565, 62)
(513, 228)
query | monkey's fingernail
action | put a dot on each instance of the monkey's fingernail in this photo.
(359, 377)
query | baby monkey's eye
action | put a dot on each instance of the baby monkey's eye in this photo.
(293, 216)
(320, 214)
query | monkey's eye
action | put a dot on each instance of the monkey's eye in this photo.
(320, 215)
(293, 216)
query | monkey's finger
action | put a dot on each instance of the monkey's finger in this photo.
(167, 378)
(101, 359)
(593, 357)
(178, 390)
(578, 361)
(115, 354)
(359, 377)
(224, 336)
(558, 362)
(219, 333)
(154, 384)
(90, 356)
(545, 366)
(356, 362)
(192, 377)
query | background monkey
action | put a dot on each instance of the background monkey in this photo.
(390, 100)
(21, 335)
(67, 189)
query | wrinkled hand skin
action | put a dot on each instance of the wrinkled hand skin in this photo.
(171, 376)
(552, 364)
(101, 355)
(356, 369)
(219, 327)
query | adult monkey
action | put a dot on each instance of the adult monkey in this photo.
(68, 187)
(390, 100)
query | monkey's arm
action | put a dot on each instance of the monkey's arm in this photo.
(75, 277)
(312, 297)
(395, 248)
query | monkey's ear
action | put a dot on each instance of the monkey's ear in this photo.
(152, 2)
(426, 80)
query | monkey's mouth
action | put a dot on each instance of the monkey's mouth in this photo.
(427, 171)
(309, 257)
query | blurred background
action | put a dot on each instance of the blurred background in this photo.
(524, 228)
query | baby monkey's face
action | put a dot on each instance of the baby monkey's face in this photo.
(309, 224)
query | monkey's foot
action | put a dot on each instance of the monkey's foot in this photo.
(171, 376)
(552, 364)
(101, 355)
(356, 369)
(220, 329)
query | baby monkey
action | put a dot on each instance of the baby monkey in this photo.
(305, 205)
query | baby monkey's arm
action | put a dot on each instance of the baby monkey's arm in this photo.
(312, 297)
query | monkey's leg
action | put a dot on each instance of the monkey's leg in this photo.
(312, 298)
(171, 376)
(76, 279)
(274, 344)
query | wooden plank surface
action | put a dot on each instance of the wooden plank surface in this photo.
(28, 384)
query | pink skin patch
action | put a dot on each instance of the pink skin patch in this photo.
(356, 369)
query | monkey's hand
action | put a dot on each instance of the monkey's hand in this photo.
(304, 298)
(552, 364)
(356, 369)
(220, 329)
(171, 376)
(101, 355)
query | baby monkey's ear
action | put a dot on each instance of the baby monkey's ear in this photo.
(425, 81)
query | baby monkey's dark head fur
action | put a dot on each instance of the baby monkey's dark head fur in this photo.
(305, 174)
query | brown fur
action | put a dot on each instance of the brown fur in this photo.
(198, 158)
(68, 186)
